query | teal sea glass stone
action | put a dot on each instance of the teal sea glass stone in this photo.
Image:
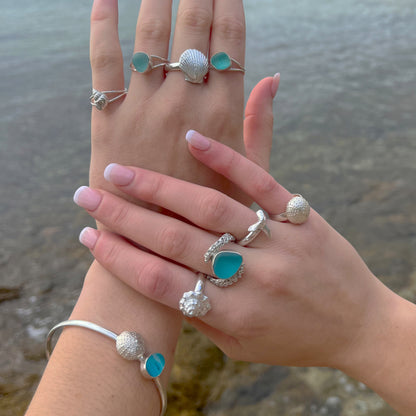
(155, 364)
(226, 264)
(221, 61)
(141, 61)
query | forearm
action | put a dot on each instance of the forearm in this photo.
(86, 375)
(386, 360)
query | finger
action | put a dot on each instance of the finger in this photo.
(205, 207)
(164, 235)
(146, 273)
(258, 121)
(152, 37)
(192, 29)
(247, 175)
(105, 51)
(228, 35)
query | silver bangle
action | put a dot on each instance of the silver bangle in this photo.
(129, 345)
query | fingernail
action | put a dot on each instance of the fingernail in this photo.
(197, 140)
(88, 236)
(87, 198)
(118, 175)
(275, 84)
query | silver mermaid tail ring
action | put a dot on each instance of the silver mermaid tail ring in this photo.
(142, 62)
(227, 266)
(194, 303)
(221, 61)
(255, 229)
(100, 99)
(193, 63)
(297, 211)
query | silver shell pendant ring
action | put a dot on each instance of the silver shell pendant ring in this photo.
(194, 303)
(193, 63)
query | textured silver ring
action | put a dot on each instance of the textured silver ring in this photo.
(193, 63)
(227, 266)
(297, 211)
(130, 346)
(255, 229)
(194, 303)
(142, 62)
(221, 61)
(100, 99)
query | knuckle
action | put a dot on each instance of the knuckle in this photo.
(118, 217)
(104, 58)
(150, 187)
(196, 19)
(264, 184)
(213, 209)
(153, 280)
(230, 28)
(173, 242)
(107, 252)
(153, 30)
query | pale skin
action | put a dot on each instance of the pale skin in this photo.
(321, 305)
(145, 128)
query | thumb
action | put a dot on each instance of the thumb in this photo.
(258, 121)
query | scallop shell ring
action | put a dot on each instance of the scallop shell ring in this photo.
(193, 63)
(297, 211)
(194, 303)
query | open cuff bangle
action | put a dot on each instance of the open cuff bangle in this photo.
(130, 346)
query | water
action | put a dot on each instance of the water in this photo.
(345, 136)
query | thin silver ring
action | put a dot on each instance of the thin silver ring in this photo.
(222, 62)
(125, 350)
(100, 100)
(194, 304)
(255, 229)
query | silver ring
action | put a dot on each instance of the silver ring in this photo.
(130, 346)
(297, 210)
(100, 100)
(227, 266)
(255, 229)
(221, 61)
(142, 62)
(193, 63)
(194, 303)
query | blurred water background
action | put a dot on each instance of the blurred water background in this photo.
(345, 137)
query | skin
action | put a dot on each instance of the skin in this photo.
(321, 305)
(145, 128)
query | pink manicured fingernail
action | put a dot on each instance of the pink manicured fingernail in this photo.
(275, 84)
(197, 140)
(118, 175)
(87, 198)
(88, 236)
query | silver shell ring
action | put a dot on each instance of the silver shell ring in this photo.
(194, 303)
(255, 229)
(297, 211)
(142, 62)
(227, 266)
(193, 63)
(100, 100)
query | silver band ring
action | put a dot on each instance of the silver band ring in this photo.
(142, 62)
(255, 229)
(297, 210)
(130, 346)
(100, 100)
(193, 63)
(194, 303)
(227, 266)
(221, 61)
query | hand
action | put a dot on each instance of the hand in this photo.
(306, 297)
(143, 128)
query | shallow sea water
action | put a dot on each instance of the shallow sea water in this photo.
(345, 137)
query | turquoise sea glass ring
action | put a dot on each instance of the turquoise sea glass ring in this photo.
(221, 61)
(142, 62)
(153, 365)
(225, 264)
